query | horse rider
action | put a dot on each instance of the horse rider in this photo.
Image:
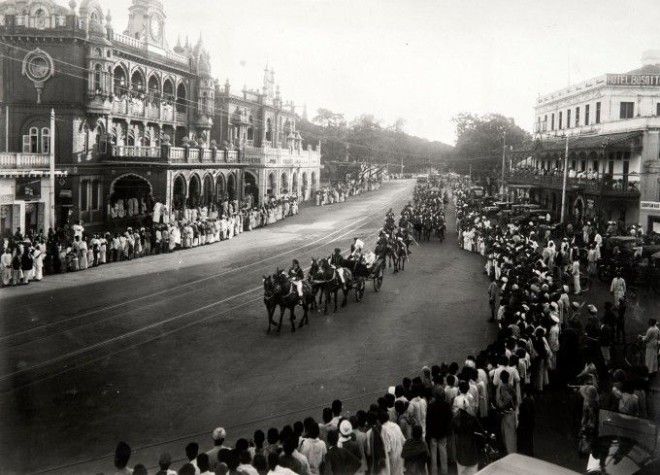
(297, 275)
(336, 261)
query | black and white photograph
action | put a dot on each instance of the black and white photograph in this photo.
(329, 237)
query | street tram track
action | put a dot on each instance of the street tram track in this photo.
(20, 373)
(169, 292)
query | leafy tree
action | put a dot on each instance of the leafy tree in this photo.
(480, 141)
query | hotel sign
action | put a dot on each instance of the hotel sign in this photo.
(635, 80)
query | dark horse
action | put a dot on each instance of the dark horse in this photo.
(323, 274)
(279, 290)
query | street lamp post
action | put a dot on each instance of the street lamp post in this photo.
(503, 165)
(51, 174)
(563, 186)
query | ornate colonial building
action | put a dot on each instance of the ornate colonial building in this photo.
(262, 128)
(134, 116)
(612, 123)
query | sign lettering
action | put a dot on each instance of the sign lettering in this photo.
(633, 80)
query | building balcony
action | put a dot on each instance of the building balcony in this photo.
(618, 186)
(24, 161)
(609, 127)
(133, 108)
(282, 157)
(255, 156)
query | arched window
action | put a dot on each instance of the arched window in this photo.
(120, 80)
(137, 81)
(154, 86)
(40, 18)
(36, 140)
(98, 74)
(269, 131)
(181, 98)
(45, 140)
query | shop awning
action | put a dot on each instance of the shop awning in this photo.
(590, 142)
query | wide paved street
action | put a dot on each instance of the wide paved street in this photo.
(159, 351)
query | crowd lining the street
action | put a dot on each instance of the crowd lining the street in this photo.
(28, 257)
(433, 420)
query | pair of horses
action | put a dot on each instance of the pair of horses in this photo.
(323, 280)
(394, 252)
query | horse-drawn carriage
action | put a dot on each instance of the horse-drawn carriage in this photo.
(363, 273)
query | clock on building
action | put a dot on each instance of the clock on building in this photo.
(156, 28)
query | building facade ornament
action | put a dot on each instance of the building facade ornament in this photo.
(38, 67)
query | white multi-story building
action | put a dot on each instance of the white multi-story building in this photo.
(612, 124)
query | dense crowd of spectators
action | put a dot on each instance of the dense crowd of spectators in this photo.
(549, 337)
(338, 192)
(435, 418)
(27, 258)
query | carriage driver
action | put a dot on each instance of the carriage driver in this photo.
(337, 262)
(297, 275)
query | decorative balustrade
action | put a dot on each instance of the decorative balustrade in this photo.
(142, 109)
(128, 41)
(193, 154)
(268, 157)
(623, 185)
(24, 160)
(177, 154)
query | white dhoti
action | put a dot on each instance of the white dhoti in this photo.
(299, 287)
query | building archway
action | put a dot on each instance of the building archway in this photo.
(294, 183)
(179, 192)
(208, 190)
(231, 187)
(284, 183)
(153, 85)
(220, 188)
(194, 191)
(120, 80)
(250, 188)
(272, 185)
(305, 185)
(313, 181)
(137, 81)
(127, 193)
(181, 98)
(168, 89)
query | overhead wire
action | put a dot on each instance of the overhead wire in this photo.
(191, 102)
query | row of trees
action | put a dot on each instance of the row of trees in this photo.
(367, 139)
(479, 142)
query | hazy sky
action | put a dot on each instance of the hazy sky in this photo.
(423, 60)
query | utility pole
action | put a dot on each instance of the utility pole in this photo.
(51, 175)
(563, 186)
(503, 165)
